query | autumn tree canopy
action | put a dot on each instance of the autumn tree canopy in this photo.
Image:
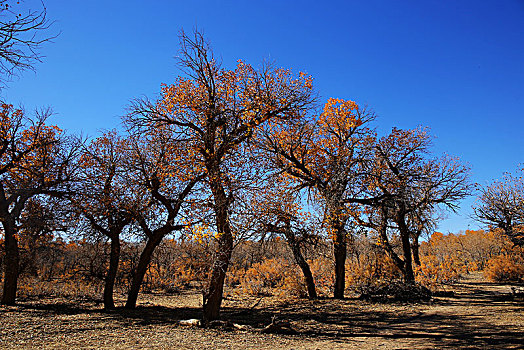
(408, 188)
(501, 206)
(158, 172)
(324, 154)
(102, 198)
(237, 154)
(215, 111)
(35, 159)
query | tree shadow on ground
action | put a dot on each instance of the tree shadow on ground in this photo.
(341, 319)
(344, 321)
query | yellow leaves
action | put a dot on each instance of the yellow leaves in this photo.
(433, 271)
(233, 102)
(201, 233)
(506, 267)
(307, 80)
(341, 115)
(29, 148)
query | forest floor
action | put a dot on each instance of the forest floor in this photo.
(480, 315)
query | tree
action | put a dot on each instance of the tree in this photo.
(501, 205)
(217, 111)
(35, 159)
(21, 36)
(40, 222)
(325, 155)
(102, 198)
(280, 214)
(276, 209)
(156, 168)
(411, 187)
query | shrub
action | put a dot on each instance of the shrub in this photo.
(396, 291)
(372, 270)
(261, 277)
(322, 270)
(505, 268)
(434, 271)
(35, 288)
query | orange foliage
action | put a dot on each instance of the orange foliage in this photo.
(261, 277)
(282, 277)
(433, 272)
(506, 267)
(371, 269)
(470, 250)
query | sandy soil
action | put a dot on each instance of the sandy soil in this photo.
(480, 315)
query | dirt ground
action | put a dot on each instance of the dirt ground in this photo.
(480, 315)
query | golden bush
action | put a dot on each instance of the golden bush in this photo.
(505, 268)
(264, 276)
(371, 269)
(434, 271)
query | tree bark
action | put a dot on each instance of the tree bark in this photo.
(340, 253)
(213, 296)
(304, 266)
(11, 262)
(109, 286)
(415, 249)
(409, 276)
(384, 241)
(138, 277)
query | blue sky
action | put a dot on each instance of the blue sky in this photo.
(456, 67)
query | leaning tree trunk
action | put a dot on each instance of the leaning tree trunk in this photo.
(304, 266)
(340, 253)
(386, 246)
(138, 277)
(213, 296)
(109, 286)
(11, 262)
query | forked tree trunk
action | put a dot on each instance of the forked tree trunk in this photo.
(386, 246)
(109, 286)
(11, 262)
(138, 277)
(409, 276)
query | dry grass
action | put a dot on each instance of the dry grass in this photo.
(479, 315)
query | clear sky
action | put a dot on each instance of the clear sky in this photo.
(455, 66)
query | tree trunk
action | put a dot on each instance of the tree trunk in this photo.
(384, 242)
(213, 296)
(11, 262)
(138, 277)
(114, 258)
(409, 276)
(304, 266)
(415, 249)
(340, 253)
(337, 223)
